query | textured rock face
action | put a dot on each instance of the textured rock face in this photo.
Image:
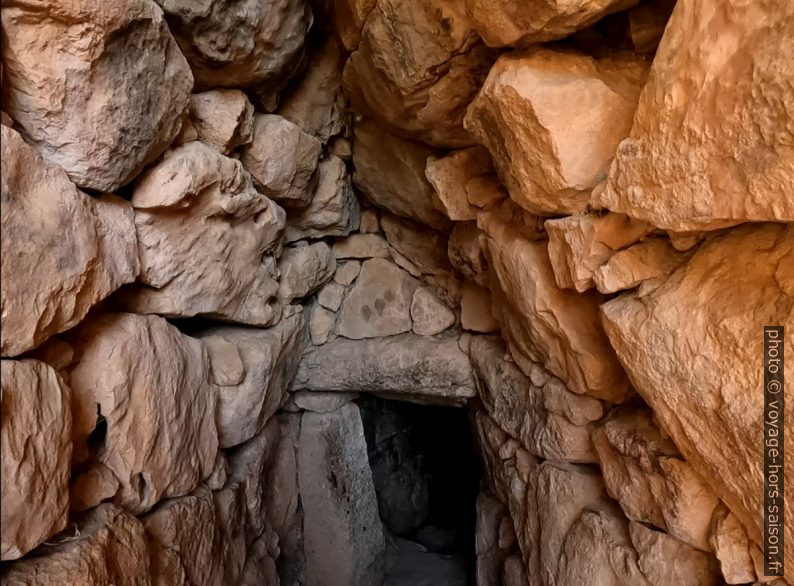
(282, 159)
(390, 171)
(379, 303)
(36, 452)
(50, 283)
(406, 365)
(422, 88)
(102, 108)
(110, 548)
(656, 549)
(304, 269)
(718, 304)
(252, 370)
(710, 150)
(155, 370)
(223, 119)
(200, 220)
(650, 260)
(529, 114)
(343, 535)
(506, 22)
(464, 182)
(251, 43)
(546, 324)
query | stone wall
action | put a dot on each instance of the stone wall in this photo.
(223, 221)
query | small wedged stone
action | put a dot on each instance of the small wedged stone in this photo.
(651, 259)
(223, 119)
(405, 365)
(109, 546)
(101, 107)
(580, 244)
(361, 246)
(282, 159)
(264, 361)
(467, 250)
(303, 270)
(475, 310)
(207, 240)
(252, 43)
(51, 277)
(429, 315)
(131, 370)
(333, 210)
(523, 115)
(347, 272)
(36, 448)
(390, 172)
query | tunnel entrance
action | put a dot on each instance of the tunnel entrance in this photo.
(426, 474)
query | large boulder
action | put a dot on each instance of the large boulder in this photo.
(542, 323)
(710, 143)
(252, 369)
(390, 172)
(252, 43)
(509, 22)
(406, 366)
(343, 537)
(694, 350)
(36, 448)
(102, 107)
(109, 547)
(143, 406)
(417, 68)
(52, 276)
(552, 120)
(207, 240)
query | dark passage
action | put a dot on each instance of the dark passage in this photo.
(427, 476)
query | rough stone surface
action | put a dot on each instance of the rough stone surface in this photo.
(709, 144)
(666, 561)
(644, 472)
(252, 369)
(652, 259)
(248, 44)
(110, 548)
(467, 250)
(199, 222)
(36, 447)
(333, 210)
(506, 22)
(732, 547)
(304, 269)
(342, 531)
(346, 272)
(101, 107)
(317, 103)
(331, 296)
(321, 324)
(379, 304)
(223, 119)
(550, 421)
(429, 315)
(282, 159)
(715, 306)
(423, 88)
(464, 182)
(580, 244)
(390, 172)
(51, 276)
(552, 120)
(128, 368)
(405, 365)
(361, 246)
(543, 323)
